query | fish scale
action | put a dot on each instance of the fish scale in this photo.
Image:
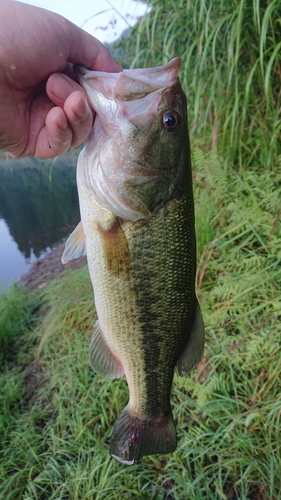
(138, 231)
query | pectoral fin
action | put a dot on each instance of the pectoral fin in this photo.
(193, 351)
(116, 250)
(75, 245)
(101, 358)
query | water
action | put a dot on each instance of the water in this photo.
(38, 209)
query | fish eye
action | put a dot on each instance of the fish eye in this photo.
(171, 121)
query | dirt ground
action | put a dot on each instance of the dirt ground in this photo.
(44, 270)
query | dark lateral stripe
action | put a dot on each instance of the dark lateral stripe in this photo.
(163, 269)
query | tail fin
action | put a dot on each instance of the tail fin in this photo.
(134, 437)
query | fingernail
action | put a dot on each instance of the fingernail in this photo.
(61, 120)
(81, 109)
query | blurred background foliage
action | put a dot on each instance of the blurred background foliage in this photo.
(231, 69)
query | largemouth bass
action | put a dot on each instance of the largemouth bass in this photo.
(137, 228)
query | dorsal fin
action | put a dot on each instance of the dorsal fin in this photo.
(193, 350)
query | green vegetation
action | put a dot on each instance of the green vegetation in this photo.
(231, 67)
(56, 414)
(17, 315)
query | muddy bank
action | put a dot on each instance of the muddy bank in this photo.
(48, 268)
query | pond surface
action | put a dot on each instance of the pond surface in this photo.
(38, 210)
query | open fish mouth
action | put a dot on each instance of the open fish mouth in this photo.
(158, 76)
(135, 89)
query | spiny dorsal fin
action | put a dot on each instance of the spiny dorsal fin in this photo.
(193, 351)
(116, 250)
(101, 358)
(75, 245)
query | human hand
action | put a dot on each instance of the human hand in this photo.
(43, 110)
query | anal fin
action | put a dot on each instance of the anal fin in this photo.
(75, 245)
(194, 348)
(101, 357)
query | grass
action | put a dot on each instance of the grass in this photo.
(17, 314)
(231, 67)
(55, 444)
(56, 414)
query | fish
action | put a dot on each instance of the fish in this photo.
(137, 229)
